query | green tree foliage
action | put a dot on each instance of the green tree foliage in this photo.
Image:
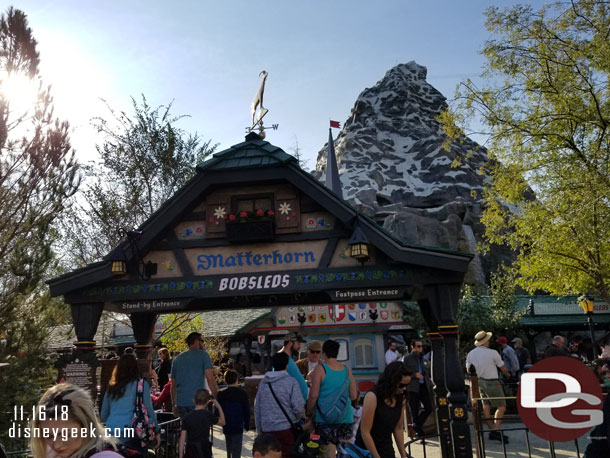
(546, 110)
(490, 309)
(144, 160)
(180, 325)
(38, 174)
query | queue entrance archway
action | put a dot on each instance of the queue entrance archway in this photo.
(252, 229)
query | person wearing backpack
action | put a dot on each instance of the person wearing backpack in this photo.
(332, 390)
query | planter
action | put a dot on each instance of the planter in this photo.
(251, 231)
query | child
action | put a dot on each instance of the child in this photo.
(236, 406)
(266, 446)
(196, 427)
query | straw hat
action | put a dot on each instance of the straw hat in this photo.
(481, 337)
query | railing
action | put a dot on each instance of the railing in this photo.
(170, 435)
(510, 401)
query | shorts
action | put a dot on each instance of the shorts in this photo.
(492, 389)
(333, 433)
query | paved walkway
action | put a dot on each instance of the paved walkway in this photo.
(493, 449)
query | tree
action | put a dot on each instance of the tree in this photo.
(144, 160)
(38, 174)
(545, 108)
(180, 325)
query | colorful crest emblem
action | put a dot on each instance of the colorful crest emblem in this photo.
(395, 314)
(383, 305)
(362, 306)
(292, 319)
(339, 312)
(312, 317)
(352, 316)
(373, 305)
(312, 308)
(322, 317)
(351, 306)
(261, 340)
(281, 319)
(384, 314)
(291, 309)
(362, 316)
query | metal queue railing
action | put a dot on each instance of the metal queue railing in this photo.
(478, 420)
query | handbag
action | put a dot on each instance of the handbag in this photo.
(143, 428)
(301, 437)
(332, 407)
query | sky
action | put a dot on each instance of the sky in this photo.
(205, 57)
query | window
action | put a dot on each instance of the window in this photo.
(253, 203)
(364, 353)
(343, 350)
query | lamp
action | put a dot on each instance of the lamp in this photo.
(119, 267)
(359, 246)
(586, 303)
(145, 270)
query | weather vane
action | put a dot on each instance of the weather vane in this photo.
(259, 111)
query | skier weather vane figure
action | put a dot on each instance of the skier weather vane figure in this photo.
(258, 110)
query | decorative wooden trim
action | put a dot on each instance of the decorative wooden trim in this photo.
(327, 256)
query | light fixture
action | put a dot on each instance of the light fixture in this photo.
(586, 303)
(145, 269)
(119, 267)
(359, 246)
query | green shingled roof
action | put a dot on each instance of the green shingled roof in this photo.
(254, 152)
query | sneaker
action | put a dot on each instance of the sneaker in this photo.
(497, 436)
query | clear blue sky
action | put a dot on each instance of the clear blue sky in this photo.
(206, 56)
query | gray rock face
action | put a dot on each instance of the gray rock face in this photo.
(393, 167)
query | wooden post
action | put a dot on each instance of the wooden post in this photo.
(476, 413)
(443, 304)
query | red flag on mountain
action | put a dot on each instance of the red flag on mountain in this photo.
(335, 124)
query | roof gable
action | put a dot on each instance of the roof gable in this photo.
(258, 162)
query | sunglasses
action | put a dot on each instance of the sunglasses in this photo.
(314, 351)
(418, 346)
(402, 386)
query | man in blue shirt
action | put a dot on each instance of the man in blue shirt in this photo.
(190, 371)
(509, 356)
(292, 344)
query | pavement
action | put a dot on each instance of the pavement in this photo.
(518, 446)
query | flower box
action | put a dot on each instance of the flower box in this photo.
(250, 231)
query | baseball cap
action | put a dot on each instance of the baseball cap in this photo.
(517, 339)
(502, 340)
(293, 336)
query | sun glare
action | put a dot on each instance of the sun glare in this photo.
(20, 91)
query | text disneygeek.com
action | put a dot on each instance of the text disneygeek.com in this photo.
(64, 434)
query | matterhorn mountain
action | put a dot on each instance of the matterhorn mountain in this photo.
(393, 167)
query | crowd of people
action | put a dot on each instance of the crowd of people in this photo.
(316, 394)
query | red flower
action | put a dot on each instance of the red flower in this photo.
(270, 212)
(249, 210)
(260, 212)
(211, 219)
(231, 217)
(293, 214)
(243, 215)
